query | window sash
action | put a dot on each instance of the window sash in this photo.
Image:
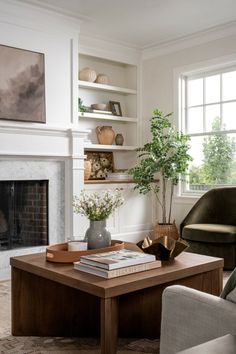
(208, 72)
(186, 107)
(184, 112)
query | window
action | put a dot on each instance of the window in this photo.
(209, 117)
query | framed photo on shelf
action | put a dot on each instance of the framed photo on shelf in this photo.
(22, 85)
(101, 163)
(115, 108)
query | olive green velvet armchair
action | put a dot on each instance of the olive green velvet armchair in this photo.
(210, 226)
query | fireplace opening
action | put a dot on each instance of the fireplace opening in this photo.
(23, 214)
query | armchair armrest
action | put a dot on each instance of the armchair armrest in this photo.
(191, 317)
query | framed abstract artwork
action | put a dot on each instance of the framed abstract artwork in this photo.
(22, 85)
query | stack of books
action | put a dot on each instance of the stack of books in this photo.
(100, 111)
(116, 263)
(119, 176)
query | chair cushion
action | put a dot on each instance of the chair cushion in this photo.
(232, 296)
(215, 233)
(229, 291)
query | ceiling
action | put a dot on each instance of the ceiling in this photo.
(144, 23)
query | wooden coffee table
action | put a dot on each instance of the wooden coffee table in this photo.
(51, 299)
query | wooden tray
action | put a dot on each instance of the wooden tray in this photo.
(59, 253)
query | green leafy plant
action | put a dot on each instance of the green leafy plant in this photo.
(166, 154)
(82, 108)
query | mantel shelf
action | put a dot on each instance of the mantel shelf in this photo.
(107, 117)
(108, 88)
(100, 147)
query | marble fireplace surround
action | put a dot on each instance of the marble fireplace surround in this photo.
(53, 154)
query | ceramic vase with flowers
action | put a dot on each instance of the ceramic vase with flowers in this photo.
(97, 207)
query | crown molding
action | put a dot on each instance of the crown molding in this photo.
(121, 49)
(198, 38)
(112, 50)
(26, 14)
(54, 9)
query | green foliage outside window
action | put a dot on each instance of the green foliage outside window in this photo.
(218, 159)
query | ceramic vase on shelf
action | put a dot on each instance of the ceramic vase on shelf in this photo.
(87, 74)
(87, 169)
(102, 79)
(119, 139)
(105, 135)
(97, 235)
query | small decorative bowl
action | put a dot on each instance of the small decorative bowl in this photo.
(102, 79)
(165, 248)
(99, 106)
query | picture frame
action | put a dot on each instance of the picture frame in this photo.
(115, 107)
(101, 164)
(22, 85)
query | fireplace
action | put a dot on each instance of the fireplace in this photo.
(23, 214)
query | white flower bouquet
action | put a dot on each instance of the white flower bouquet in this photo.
(98, 206)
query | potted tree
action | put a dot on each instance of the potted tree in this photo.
(167, 155)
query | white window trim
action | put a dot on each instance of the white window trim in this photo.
(212, 66)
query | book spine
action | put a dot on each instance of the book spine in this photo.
(100, 111)
(117, 265)
(128, 270)
(108, 274)
(93, 263)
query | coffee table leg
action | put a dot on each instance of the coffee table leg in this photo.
(109, 325)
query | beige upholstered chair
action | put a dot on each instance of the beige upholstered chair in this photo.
(191, 317)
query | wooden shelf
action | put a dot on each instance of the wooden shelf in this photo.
(100, 147)
(107, 181)
(108, 88)
(88, 115)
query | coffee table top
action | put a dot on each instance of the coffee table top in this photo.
(185, 265)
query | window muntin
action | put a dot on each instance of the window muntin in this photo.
(212, 89)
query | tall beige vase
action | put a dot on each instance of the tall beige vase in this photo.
(105, 135)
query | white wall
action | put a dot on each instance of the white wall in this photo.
(158, 88)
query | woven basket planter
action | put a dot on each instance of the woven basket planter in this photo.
(169, 230)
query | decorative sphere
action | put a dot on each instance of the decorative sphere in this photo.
(102, 79)
(87, 74)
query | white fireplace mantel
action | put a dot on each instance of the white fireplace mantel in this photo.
(42, 141)
(22, 145)
(37, 141)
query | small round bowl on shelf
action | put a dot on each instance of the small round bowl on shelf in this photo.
(102, 79)
(99, 106)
